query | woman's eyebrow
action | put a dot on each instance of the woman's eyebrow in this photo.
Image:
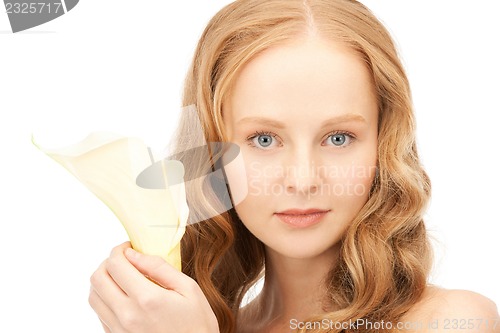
(350, 117)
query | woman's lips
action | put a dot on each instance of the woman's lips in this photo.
(302, 220)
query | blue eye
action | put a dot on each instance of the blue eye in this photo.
(341, 139)
(264, 139)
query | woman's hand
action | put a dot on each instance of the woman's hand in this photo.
(127, 301)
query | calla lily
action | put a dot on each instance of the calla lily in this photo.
(108, 165)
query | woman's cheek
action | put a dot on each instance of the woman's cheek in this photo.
(354, 179)
(238, 178)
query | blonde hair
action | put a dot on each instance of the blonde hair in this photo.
(385, 256)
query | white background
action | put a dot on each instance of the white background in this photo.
(119, 66)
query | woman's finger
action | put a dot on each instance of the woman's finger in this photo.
(161, 272)
(105, 327)
(107, 317)
(109, 292)
(128, 278)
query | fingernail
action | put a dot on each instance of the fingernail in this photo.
(131, 253)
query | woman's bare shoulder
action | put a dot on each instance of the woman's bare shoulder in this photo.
(446, 310)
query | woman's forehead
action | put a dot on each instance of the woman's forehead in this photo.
(310, 75)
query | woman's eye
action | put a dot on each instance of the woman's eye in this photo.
(340, 139)
(263, 140)
(266, 139)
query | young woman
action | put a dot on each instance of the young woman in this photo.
(315, 96)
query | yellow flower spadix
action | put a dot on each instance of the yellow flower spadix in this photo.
(108, 165)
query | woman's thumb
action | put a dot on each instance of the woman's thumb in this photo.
(158, 270)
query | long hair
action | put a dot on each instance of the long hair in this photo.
(385, 255)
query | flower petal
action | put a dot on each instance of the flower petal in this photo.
(108, 165)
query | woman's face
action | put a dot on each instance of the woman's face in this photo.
(305, 118)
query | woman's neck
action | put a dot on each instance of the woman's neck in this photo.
(294, 288)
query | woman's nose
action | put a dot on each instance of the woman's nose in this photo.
(302, 172)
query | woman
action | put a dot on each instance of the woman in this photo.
(315, 96)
